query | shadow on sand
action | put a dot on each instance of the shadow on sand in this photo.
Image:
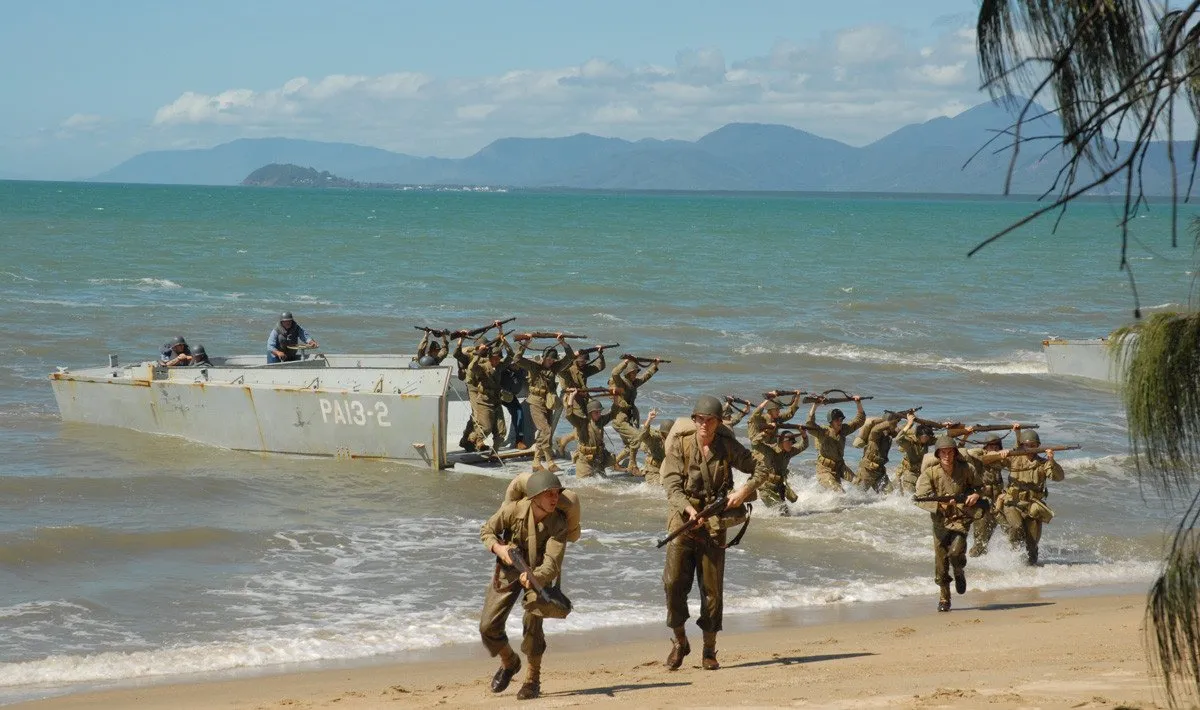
(792, 660)
(1004, 607)
(612, 690)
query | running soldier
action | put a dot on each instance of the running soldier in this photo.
(776, 487)
(653, 440)
(591, 456)
(575, 376)
(625, 379)
(950, 474)
(872, 468)
(484, 387)
(992, 473)
(913, 441)
(762, 428)
(543, 399)
(696, 472)
(1023, 501)
(831, 444)
(539, 529)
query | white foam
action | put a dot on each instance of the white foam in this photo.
(608, 317)
(142, 283)
(1015, 363)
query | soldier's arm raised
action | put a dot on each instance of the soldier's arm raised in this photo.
(812, 415)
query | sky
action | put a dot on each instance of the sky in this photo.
(90, 84)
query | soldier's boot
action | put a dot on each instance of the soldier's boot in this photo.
(709, 661)
(510, 665)
(679, 648)
(562, 442)
(552, 467)
(1031, 555)
(532, 687)
(537, 461)
(960, 581)
(944, 597)
(619, 464)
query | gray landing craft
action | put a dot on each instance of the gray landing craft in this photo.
(346, 406)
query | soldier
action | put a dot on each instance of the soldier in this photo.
(696, 472)
(734, 410)
(575, 376)
(463, 358)
(539, 528)
(626, 380)
(914, 444)
(543, 399)
(591, 456)
(175, 353)
(654, 441)
(992, 474)
(949, 474)
(200, 357)
(435, 351)
(831, 444)
(762, 428)
(872, 469)
(484, 386)
(284, 341)
(1023, 501)
(776, 487)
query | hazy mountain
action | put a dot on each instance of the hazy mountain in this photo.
(934, 156)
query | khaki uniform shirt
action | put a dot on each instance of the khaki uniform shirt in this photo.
(912, 451)
(1030, 473)
(512, 523)
(541, 378)
(879, 444)
(934, 481)
(574, 377)
(590, 433)
(629, 384)
(832, 446)
(483, 379)
(691, 478)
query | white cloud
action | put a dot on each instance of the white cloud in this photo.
(82, 122)
(854, 85)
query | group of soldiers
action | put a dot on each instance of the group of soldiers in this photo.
(960, 481)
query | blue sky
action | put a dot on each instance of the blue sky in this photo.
(88, 84)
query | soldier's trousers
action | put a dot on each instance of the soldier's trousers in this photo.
(690, 558)
(624, 425)
(484, 416)
(981, 532)
(871, 477)
(906, 481)
(1022, 528)
(586, 466)
(832, 476)
(949, 551)
(496, 607)
(543, 426)
(650, 471)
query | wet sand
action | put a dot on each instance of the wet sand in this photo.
(1019, 649)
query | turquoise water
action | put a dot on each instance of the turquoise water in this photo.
(124, 555)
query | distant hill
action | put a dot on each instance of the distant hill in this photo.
(288, 175)
(924, 157)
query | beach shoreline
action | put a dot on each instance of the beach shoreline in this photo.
(1088, 653)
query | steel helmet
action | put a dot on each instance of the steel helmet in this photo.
(945, 441)
(924, 430)
(1029, 437)
(772, 406)
(427, 361)
(836, 413)
(707, 405)
(993, 440)
(550, 352)
(286, 315)
(198, 352)
(594, 405)
(178, 340)
(540, 482)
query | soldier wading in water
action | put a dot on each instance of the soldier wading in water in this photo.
(949, 475)
(698, 470)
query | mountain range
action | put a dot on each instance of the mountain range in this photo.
(930, 157)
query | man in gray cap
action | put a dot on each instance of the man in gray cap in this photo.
(949, 475)
(538, 528)
(697, 471)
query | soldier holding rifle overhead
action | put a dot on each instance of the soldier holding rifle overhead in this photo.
(576, 374)
(589, 421)
(734, 410)
(763, 430)
(913, 441)
(992, 480)
(831, 441)
(1023, 502)
(431, 348)
(484, 387)
(543, 397)
(626, 379)
(948, 487)
(697, 473)
(654, 440)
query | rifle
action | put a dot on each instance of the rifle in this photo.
(480, 330)
(435, 332)
(773, 394)
(824, 398)
(550, 595)
(545, 334)
(983, 504)
(961, 430)
(643, 361)
(596, 348)
(738, 400)
(902, 414)
(1034, 450)
(714, 508)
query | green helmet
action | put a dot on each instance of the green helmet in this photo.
(836, 414)
(550, 352)
(286, 315)
(594, 405)
(772, 406)
(707, 405)
(1029, 437)
(993, 440)
(541, 482)
(945, 441)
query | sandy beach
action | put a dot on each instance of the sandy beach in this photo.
(1015, 651)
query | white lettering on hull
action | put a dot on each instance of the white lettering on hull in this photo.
(354, 412)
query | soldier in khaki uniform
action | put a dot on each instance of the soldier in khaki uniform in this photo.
(653, 440)
(872, 468)
(762, 428)
(831, 444)
(463, 358)
(734, 411)
(698, 470)
(539, 528)
(591, 456)
(543, 399)
(484, 387)
(575, 376)
(626, 379)
(776, 487)
(949, 474)
(435, 351)
(992, 475)
(1023, 502)
(913, 440)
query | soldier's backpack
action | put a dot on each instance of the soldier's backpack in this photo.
(568, 503)
(864, 433)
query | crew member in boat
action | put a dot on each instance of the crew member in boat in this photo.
(200, 357)
(285, 341)
(431, 348)
(175, 353)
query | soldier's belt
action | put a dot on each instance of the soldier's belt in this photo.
(828, 462)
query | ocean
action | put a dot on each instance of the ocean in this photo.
(126, 557)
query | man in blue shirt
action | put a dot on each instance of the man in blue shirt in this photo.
(284, 341)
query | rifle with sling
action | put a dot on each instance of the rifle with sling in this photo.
(824, 398)
(596, 348)
(481, 329)
(961, 430)
(1034, 450)
(961, 499)
(435, 332)
(738, 400)
(545, 334)
(776, 394)
(552, 596)
(643, 361)
(903, 414)
(716, 507)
